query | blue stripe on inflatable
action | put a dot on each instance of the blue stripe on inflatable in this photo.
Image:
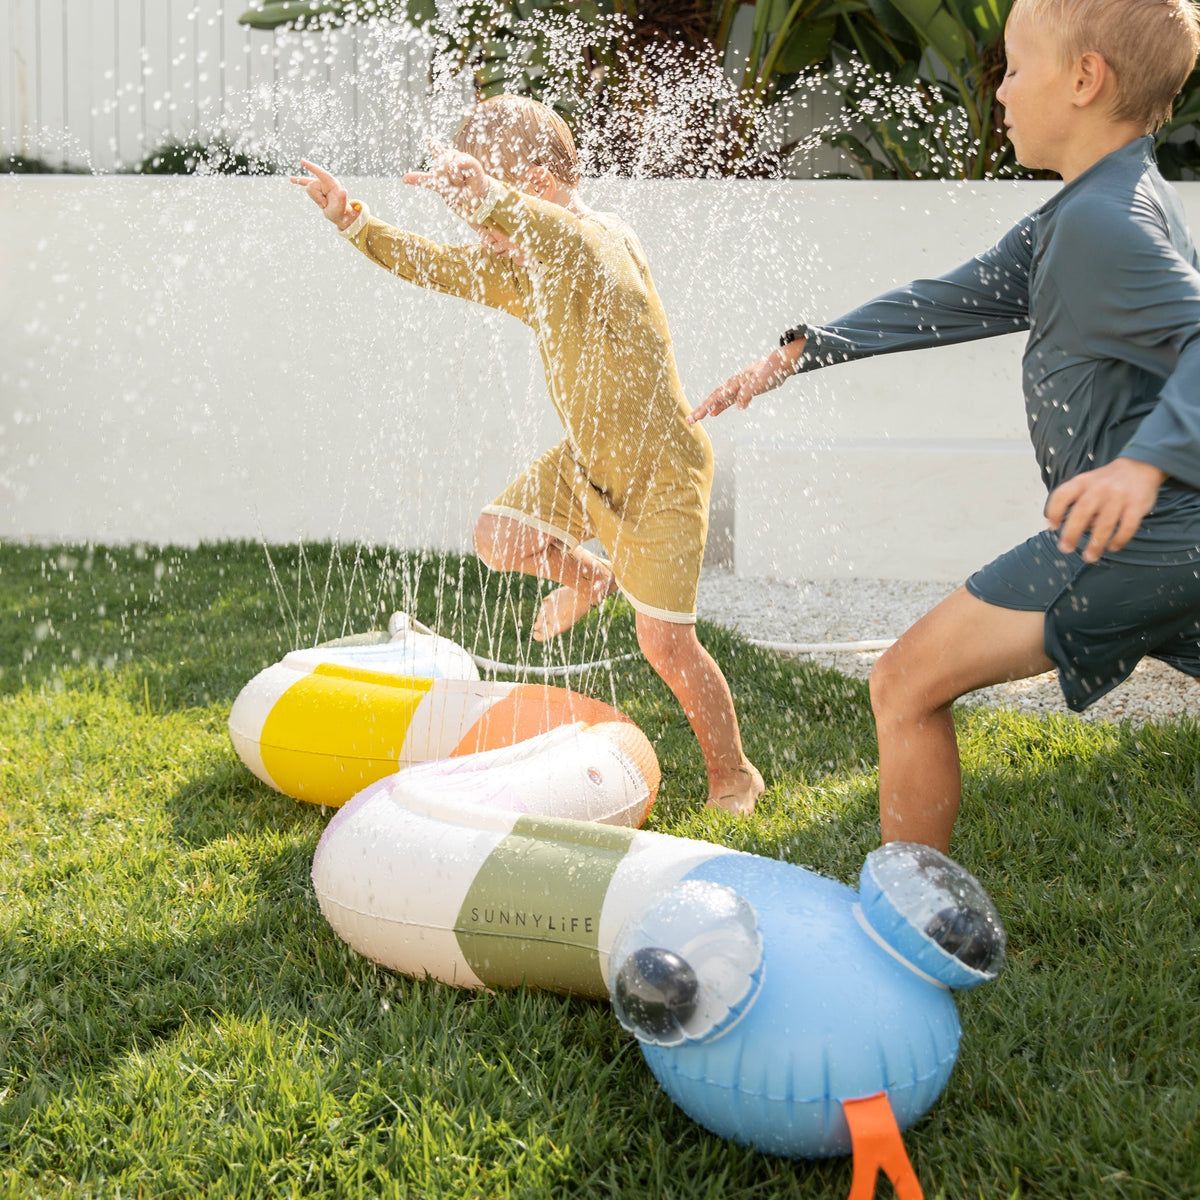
(837, 1018)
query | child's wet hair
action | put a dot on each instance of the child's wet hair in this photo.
(510, 134)
(1149, 45)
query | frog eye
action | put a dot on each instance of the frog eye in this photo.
(932, 912)
(688, 966)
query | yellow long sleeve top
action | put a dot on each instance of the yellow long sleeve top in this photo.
(599, 324)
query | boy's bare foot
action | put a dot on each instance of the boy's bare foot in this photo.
(736, 791)
(561, 609)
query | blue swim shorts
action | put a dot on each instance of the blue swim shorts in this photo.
(1102, 618)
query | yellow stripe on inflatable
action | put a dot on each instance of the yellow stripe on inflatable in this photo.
(338, 730)
(381, 678)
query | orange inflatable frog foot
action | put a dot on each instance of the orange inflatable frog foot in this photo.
(878, 1146)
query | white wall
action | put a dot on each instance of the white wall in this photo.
(185, 359)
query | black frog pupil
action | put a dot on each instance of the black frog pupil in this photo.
(657, 990)
(967, 934)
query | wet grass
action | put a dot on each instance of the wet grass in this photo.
(176, 1018)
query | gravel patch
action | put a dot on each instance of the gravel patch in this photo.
(855, 610)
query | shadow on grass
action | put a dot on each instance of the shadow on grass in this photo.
(82, 994)
(227, 801)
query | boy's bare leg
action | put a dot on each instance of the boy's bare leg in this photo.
(591, 584)
(674, 651)
(509, 545)
(961, 645)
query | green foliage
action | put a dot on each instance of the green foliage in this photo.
(491, 34)
(325, 14)
(1177, 144)
(214, 157)
(589, 58)
(18, 164)
(918, 78)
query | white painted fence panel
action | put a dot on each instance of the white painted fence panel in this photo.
(102, 83)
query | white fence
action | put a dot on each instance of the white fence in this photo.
(102, 83)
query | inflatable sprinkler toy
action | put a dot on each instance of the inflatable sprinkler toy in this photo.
(778, 1008)
(322, 724)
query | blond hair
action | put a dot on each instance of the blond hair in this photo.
(1149, 45)
(510, 134)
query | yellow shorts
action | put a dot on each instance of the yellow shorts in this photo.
(655, 544)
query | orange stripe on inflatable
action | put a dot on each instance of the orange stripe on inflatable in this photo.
(530, 709)
(878, 1146)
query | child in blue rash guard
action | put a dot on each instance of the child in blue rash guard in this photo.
(1105, 278)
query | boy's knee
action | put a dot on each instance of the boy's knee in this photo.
(486, 541)
(885, 684)
(904, 687)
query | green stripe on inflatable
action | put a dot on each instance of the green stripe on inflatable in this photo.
(532, 913)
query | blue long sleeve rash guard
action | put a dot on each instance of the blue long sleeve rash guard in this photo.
(1105, 278)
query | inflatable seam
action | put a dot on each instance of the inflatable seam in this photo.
(758, 1094)
(324, 899)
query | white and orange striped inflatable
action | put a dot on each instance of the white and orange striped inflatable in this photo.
(323, 724)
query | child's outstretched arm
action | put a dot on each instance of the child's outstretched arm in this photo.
(985, 297)
(458, 178)
(470, 272)
(759, 377)
(522, 225)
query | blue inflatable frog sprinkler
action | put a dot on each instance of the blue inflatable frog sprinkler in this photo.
(775, 1006)
(837, 1027)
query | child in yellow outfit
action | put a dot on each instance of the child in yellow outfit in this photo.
(630, 471)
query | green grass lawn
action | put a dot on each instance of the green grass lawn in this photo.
(177, 1019)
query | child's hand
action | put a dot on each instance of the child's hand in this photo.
(458, 178)
(1108, 502)
(329, 195)
(741, 388)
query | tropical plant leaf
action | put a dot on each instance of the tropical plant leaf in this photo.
(1187, 108)
(808, 44)
(776, 12)
(938, 26)
(985, 18)
(870, 166)
(304, 14)
(1179, 161)
(894, 25)
(292, 12)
